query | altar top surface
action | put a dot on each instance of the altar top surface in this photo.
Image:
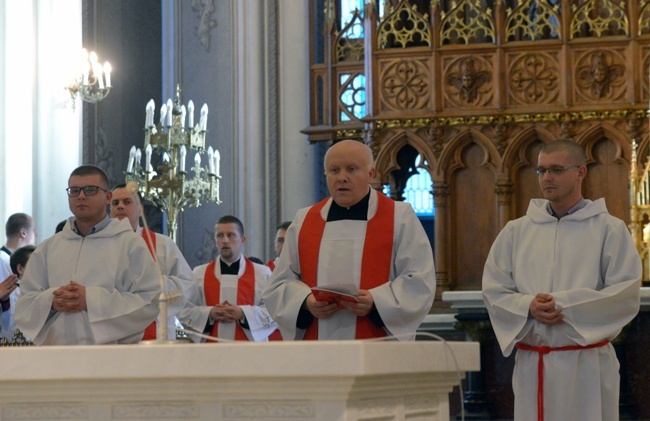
(294, 359)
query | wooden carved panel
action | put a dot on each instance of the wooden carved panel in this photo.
(533, 78)
(468, 81)
(525, 179)
(608, 169)
(405, 84)
(645, 74)
(472, 184)
(600, 75)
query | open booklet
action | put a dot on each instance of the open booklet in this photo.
(336, 293)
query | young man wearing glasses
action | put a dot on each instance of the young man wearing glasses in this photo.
(94, 282)
(559, 284)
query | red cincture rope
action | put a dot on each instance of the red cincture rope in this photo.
(543, 350)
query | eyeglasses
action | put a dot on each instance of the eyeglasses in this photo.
(541, 171)
(88, 190)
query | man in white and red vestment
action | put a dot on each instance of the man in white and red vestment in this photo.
(176, 273)
(227, 302)
(357, 236)
(280, 233)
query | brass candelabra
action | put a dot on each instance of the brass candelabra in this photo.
(170, 186)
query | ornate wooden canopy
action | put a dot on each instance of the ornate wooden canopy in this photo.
(475, 87)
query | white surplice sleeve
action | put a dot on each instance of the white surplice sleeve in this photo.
(285, 292)
(177, 273)
(121, 314)
(196, 312)
(597, 314)
(404, 302)
(507, 307)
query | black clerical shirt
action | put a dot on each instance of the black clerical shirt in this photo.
(232, 269)
(356, 212)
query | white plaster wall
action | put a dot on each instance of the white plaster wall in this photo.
(298, 159)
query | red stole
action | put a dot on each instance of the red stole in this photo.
(245, 293)
(150, 238)
(375, 261)
(271, 264)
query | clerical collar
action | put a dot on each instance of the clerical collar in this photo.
(356, 212)
(575, 208)
(232, 269)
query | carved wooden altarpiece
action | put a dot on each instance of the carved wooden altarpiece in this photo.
(476, 87)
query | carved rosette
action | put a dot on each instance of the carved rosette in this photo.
(600, 75)
(405, 85)
(534, 79)
(468, 81)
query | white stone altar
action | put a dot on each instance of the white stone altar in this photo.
(327, 380)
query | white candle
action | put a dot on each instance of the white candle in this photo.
(97, 69)
(107, 72)
(190, 111)
(165, 158)
(86, 73)
(210, 160)
(217, 163)
(181, 158)
(151, 106)
(138, 156)
(183, 114)
(147, 157)
(163, 114)
(170, 107)
(204, 117)
(197, 160)
(129, 166)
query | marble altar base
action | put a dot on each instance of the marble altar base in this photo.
(329, 381)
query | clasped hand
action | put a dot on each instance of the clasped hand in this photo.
(544, 310)
(325, 309)
(226, 313)
(70, 298)
(8, 286)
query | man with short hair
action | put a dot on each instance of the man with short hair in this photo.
(20, 231)
(229, 289)
(280, 232)
(175, 271)
(19, 259)
(559, 284)
(357, 236)
(92, 283)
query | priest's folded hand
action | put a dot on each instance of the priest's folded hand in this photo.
(320, 309)
(361, 308)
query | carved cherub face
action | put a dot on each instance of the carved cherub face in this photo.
(467, 74)
(599, 69)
